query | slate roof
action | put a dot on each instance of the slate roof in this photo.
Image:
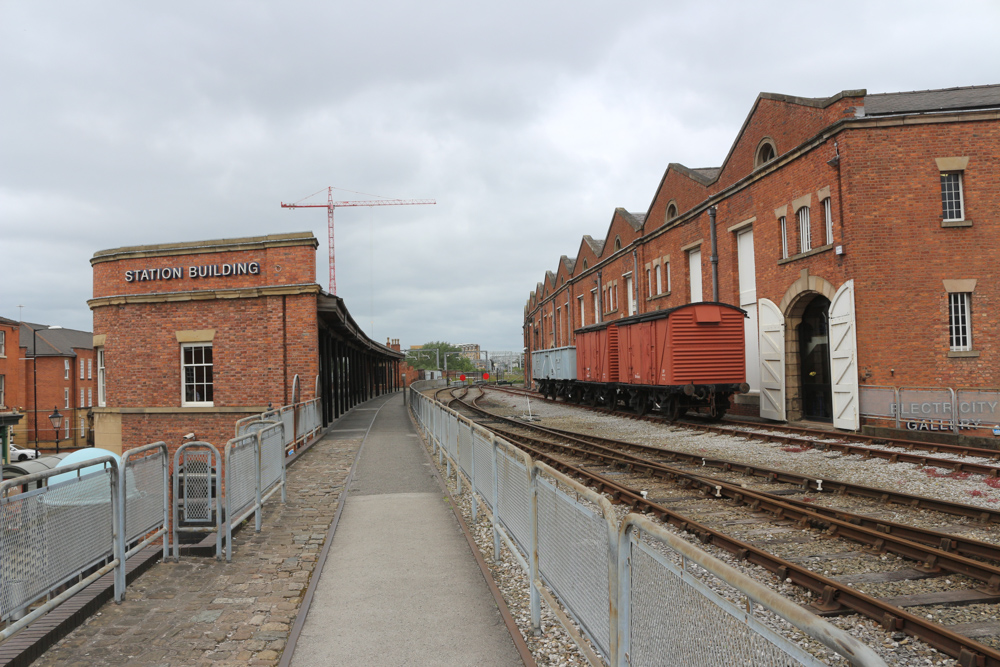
(54, 342)
(947, 99)
(4, 320)
(596, 246)
(634, 220)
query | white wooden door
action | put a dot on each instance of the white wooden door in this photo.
(772, 360)
(843, 358)
(748, 302)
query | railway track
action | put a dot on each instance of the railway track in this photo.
(935, 552)
(984, 461)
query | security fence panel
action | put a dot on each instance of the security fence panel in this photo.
(241, 474)
(482, 452)
(198, 492)
(680, 606)
(51, 535)
(878, 402)
(465, 448)
(145, 480)
(573, 560)
(287, 417)
(920, 408)
(978, 408)
(451, 434)
(242, 425)
(513, 501)
(272, 455)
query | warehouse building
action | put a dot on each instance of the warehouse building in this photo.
(190, 337)
(858, 233)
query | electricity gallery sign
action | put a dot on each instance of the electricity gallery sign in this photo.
(204, 271)
(939, 416)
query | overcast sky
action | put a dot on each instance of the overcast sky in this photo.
(529, 122)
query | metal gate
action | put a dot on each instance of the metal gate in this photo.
(197, 492)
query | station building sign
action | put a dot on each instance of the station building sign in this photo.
(204, 271)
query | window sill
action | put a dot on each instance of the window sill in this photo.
(807, 253)
(956, 223)
(962, 354)
(657, 296)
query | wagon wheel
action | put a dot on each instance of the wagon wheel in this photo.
(641, 403)
(592, 398)
(673, 409)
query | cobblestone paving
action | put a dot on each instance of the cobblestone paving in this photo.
(201, 611)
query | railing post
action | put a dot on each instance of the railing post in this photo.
(621, 657)
(472, 471)
(496, 500)
(534, 598)
(118, 531)
(259, 509)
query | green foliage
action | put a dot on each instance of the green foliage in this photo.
(426, 359)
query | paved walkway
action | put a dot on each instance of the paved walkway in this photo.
(204, 612)
(401, 586)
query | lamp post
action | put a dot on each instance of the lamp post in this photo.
(57, 420)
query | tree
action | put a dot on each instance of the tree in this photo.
(425, 358)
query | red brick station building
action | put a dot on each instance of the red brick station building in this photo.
(190, 337)
(861, 234)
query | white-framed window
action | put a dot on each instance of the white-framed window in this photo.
(659, 279)
(197, 378)
(614, 296)
(828, 220)
(3, 343)
(66, 370)
(81, 368)
(2, 398)
(101, 391)
(90, 369)
(66, 423)
(83, 428)
(649, 281)
(90, 397)
(583, 314)
(666, 272)
(805, 233)
(784, 237)
(952, 200)
(597, 305)
(66, 398)
(960, 321)
(82, 404)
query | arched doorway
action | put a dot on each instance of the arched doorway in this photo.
(815, 383)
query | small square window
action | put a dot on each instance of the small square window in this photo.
(952, 203)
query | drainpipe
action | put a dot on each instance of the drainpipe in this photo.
(715, 255)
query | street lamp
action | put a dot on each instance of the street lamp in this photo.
(57, 420)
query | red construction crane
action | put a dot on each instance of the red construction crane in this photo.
(330, 205)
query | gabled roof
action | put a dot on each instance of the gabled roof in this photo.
(10, 323)
(570, 264)
(54, 342)
(947, 99)
(634, 220)
(596, 246)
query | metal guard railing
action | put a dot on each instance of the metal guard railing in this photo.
(637, 591)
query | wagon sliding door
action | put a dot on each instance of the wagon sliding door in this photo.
(772, 360)
(843, 358)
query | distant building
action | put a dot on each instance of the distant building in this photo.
(11, 384)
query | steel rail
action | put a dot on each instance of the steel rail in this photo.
(811, 483)
(931, 558)
(832, 593)
(845, 448)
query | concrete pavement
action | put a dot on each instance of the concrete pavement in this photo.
(401, 586)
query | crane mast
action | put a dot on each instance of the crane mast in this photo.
(330, 205)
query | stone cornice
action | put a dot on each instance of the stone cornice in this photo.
(204, 247)
(204, 295)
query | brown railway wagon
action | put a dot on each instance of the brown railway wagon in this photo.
(671, 361)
